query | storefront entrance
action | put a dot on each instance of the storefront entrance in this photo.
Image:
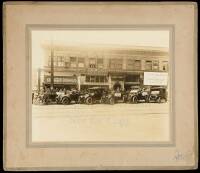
(117, 86)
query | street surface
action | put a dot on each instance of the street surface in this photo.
(147, 122)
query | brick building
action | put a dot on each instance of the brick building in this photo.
(107, 66)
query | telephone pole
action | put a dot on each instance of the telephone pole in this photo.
(52, 66)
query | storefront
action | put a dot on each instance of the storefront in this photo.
(67, 82)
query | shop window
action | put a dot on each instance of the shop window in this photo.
(92, 79)
(81, 62)
(73, 61)
(87, 79)
(96, 79)
(148, 65)
(92, 63)
(57, 80)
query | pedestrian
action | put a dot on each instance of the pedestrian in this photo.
(32, 96)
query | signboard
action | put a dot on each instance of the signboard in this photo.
(155, 78)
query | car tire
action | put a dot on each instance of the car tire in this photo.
(65, 101)
(112, 101)
(158, 100)
(134, 100)
(89, 101)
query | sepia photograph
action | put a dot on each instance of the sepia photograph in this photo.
(100, 85)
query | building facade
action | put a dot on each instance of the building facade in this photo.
(106, 66)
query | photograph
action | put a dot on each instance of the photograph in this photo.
(100, 85)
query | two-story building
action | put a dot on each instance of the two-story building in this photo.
(101, 65)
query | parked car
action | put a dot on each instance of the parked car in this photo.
(96, 95)
(137, 95)
(107, 97)
(120, 96)
(49, 97)
(67, 97)
(158, 94)
(82, 95)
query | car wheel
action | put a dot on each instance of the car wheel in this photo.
(65, 101)
(158, 100)
(112, 101)
(89, 101)
(147, 100)
(134, 100)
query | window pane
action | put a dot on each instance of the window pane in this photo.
(81, 62)
(92, 63)
(148, 65)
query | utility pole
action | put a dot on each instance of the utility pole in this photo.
(39, 81)
(52, 66)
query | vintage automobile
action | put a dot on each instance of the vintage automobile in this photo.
(67, 97)
(49, 97)
(137, 95)
(97, 95)
(107, 97)
(81, 98)
(158, 95)
(120, 96)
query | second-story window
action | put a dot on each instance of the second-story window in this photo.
(72, 61)
(116, 63)
(156, 65)
(92, 63)
(130, 64)
(148, 65)
(100, 62)
(60, 61)
(81, 62)
(67, 61)
(165, 65)
(137, 64)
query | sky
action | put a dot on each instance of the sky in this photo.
(155, 38)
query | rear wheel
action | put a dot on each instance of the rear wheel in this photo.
(65, 101)
(89, 101)
(158, 100)
(134, 100)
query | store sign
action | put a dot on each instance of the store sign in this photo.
(155, 78)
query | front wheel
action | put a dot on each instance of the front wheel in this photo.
(89, 101)
(65, 101)
(134, 100)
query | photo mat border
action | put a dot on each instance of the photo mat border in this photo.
(51, 27)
